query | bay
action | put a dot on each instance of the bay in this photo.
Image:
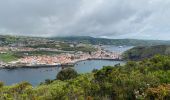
(37, 75)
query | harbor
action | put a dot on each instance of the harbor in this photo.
(61, 60)
(36, 69)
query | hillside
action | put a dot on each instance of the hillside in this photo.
(6, 40)
(118, 42)
(142, 52)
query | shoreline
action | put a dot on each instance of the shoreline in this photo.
(71, 64)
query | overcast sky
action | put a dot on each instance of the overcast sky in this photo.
(144, 19)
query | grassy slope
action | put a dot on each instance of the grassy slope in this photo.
(8, 57)
(142, 52)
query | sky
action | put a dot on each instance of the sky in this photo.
(141, 19)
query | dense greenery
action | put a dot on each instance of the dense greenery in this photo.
(144, 80)
(66, 74)
(142, 52)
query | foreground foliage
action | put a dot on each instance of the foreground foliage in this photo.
(145, 80)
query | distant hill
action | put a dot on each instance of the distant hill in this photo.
(104, 41)
(6, 39)
(142, 52)
(9, 39)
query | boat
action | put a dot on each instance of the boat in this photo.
(120, 46)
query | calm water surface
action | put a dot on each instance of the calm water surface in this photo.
(37, 75)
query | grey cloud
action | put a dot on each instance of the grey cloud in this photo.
(99, 18)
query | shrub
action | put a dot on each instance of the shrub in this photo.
(1, 84)
(67, 74)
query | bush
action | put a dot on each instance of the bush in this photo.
(48, 81)
(67, 74)
(1, 84)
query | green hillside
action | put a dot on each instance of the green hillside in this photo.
(142, 52)
(104, 41)
(6, 40)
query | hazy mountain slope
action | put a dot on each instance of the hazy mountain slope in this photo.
(105, 41)
(4, 39)
(141, 52)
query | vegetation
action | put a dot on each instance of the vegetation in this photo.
(6, 40)
(48, 45)
(66, 74)
(142, 52)
(143, 80)
(36, 53)
(7, 57)
(104, 41)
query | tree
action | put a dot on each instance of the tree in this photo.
(67, 74)
(48, 81)
(1, 84)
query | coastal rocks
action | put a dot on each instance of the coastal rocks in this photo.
(2, 64)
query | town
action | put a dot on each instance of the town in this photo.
(43, 52)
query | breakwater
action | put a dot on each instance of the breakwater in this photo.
(64, 65)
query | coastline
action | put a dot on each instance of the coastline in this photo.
(62, 60)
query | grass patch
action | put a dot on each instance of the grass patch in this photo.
(8, 57)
